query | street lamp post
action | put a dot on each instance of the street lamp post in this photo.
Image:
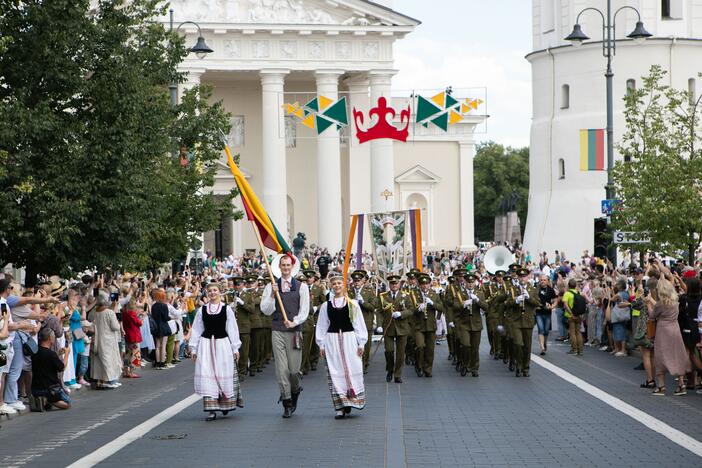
(201, 49)
(609, 50)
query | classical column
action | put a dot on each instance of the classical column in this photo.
(329, 170)
(382, 163)
(465, 182)
(275, 191)
(359, 154)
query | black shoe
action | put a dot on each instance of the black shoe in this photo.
(496, 357)
(542, 353)
(211, 417)
(259, 369)
(398, 379)
(408, 361)
(347, 410)
(287, 408)
(225, 412)
(365, 371)
(295, 396)
(304, 372)
(252, 373)
(525, 373)
(458, 366)
(492, 351)
(450, 357)
(419, 371)
(464, 371)
(427, 374)
(475, 374)
(314, 368)
(504, 360)
(518, 373)
(388, 377)
(511, 367)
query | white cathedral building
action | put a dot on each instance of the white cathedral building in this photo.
(569, 94)
(271, 52)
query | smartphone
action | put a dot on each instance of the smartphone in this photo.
(95, 292)
(114, 297)
(3, 308)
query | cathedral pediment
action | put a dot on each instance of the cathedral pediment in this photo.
(293, 12)
(418, 174)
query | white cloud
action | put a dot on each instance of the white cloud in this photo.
(430, 64)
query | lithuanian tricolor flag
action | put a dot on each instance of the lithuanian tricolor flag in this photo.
(270, 236)
(592, 150)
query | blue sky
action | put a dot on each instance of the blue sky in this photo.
(467, 44)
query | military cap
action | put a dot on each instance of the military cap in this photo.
(413, 273)
(471, 277)
(459, 272)
(250, 278)
(393, 279)
(424, 278)
(522, 272)
(499, 274)
(513, 268)
(451, 279)
(359, 274)
(309, 273)
(237, 280)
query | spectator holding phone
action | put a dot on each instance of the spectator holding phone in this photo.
(105, 362)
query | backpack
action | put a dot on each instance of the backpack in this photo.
(579, 304)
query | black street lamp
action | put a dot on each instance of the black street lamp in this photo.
(609, 50)
(200, 49)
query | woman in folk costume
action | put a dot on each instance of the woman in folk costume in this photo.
(341, 336)
(214, 346)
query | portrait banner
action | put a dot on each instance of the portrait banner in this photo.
(387, 232)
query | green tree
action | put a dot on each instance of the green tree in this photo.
(498, 171)
(87, 137)
(660, 179)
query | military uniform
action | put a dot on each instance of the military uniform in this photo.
(429, 310)
(267, 330)
(447, 300)
(398, 329)
(257, 332)
(244, 310)
(469, 322)
(521, 313)
(494, 317)
(367, 300)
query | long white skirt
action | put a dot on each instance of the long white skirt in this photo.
(69, 373)
(147, 341)
(345, 370)
(214, 369)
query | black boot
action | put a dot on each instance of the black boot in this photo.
(295, 396)
(388, 376)
(287, 408)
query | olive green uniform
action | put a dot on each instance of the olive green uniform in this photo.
(521, 320)
(469, 324)
(243, 321)
(367, 300)
(257, 332)
(447, 300)
(397, 330)
(424, 322)
(495, 295)
(310, 350)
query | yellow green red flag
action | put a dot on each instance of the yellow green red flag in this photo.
(254, 210)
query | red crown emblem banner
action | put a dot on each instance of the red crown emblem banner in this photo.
(382, 129)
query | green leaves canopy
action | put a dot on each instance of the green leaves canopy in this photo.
(88, 138)
(660, 179)
(498, 172)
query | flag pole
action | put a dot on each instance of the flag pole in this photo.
(270, 272)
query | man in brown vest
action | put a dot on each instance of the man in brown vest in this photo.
(287, 334)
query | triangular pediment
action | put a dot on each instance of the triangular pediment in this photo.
(293, 12)
(418, 174)
(223, 171)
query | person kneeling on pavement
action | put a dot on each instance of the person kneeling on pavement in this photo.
(46, 368)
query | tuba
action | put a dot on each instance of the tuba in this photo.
(498, 258)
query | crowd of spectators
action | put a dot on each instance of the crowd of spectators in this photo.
(97, 329)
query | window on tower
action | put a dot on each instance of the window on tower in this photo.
(692, 90)
(671, 9)
(561, 168)
(565, 96)
(630, 86)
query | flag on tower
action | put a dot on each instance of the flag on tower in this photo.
(592, 150)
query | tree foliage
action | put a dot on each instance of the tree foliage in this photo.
(498, 171)
(88, 138)
(660, 179)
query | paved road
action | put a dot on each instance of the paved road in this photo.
(494, 420)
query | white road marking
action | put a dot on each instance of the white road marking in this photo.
(130, 436)
(655, 424)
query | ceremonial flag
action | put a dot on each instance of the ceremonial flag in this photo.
(270, 236)
(416, 237)
(359, 243)
(592, 150)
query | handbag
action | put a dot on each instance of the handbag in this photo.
(78, 334)
(620, 315)
(29, 346)
(173, 325)
(651, 329)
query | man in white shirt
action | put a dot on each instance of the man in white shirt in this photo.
(287, 335)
